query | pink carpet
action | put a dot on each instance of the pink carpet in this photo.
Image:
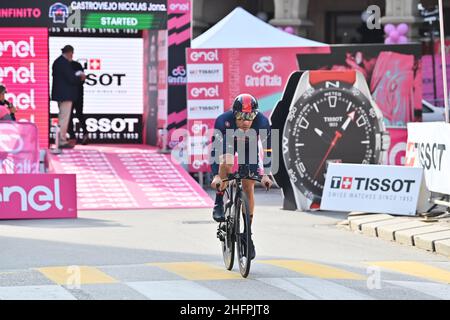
(113, 177)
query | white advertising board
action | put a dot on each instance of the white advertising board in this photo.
(372, 188)
(429, 148)
(114, 69)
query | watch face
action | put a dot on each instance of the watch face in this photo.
(334, 122)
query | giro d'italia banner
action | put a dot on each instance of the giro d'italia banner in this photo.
(216, 76)
(24, 72)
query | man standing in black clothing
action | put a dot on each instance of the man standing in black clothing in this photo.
(65, 90)
(78, 108)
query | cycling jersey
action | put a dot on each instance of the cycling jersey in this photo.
(261, 126)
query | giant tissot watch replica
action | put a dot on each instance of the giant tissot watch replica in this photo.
(325, 116)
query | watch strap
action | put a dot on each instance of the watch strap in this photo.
(318, 76)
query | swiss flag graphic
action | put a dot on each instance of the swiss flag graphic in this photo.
(346, 183)
(54, 121)
(94, 64)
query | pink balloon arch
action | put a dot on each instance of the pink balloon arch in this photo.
(396, 34)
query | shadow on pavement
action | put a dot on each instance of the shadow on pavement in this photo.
(19, 253)
(62, 223)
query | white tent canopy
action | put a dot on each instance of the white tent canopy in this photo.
(241, 29)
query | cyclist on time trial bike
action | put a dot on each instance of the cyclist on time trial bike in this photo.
(244, 115)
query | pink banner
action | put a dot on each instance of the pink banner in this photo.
(430, 78)
(24, 71)
(397, 149)
(38, 196)
(18, 147)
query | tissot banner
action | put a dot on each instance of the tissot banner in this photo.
(114, 86)
(372, 188)
(108, 128)
(429, 148)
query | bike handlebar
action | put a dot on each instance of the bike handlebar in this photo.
(232, 177)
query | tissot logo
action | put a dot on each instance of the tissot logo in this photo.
(430, 155)
(332, 119)
(341, 183)
(94, 64)
(371, 184)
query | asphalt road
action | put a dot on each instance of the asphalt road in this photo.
(174, 254)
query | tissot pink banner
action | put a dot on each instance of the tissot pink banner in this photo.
(18, 147)
(24, 71)
(38, 196)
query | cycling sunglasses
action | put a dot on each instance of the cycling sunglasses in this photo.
(248, 116)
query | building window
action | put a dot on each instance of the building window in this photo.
(349, 27)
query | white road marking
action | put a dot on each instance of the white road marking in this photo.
(437, 290)
(317, 289)
(175, 290)
(288, 286)
(44, 292)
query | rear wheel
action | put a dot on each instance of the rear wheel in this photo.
(227, 228)
(243, 234)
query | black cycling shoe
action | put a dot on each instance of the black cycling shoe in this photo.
(252, 251)
(218, 212)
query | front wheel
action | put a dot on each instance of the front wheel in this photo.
(243, 234)
(227, 228)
